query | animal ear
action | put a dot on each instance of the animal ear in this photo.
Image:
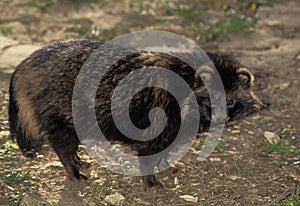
(246, 76)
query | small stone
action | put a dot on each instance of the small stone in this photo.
(256, 117)
(178, 164)
(236, 131)
(189, 198)
(233, 177)
(250, 132)
(215, 159)
(232, 152)
(115, 199)
(54, 164)
(272, 137)
(176, 181)
(117, 146)
(282, 85)
(194, 151)
(99, 181)
(247, 122)
(141, 202)
(4, 133)
(176, 187)
(274, 23)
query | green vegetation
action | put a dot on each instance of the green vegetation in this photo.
(284, 146)
(188, 10)
(223, 19)
(82, 1)
(220, 148)
(286, 133)
(196, 20)
(216, 25)
(259, 2)
(8, 155)
(292, 200)
(5, 30)
(83, 32)
(261, 123)
(17, 196)
(17, 178)
(220, 29)
(42, 5)
(94, 33)
(205, 20)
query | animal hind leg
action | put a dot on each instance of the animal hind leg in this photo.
(81, 164)
(72, 168)
(67, 153)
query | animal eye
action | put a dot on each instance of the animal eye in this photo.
(231, 103)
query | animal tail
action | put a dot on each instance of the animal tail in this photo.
(20, 130)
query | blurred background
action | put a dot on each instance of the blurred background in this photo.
(202, 20)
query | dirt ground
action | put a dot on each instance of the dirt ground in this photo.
(243, 170)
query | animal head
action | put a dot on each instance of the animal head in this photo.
(238, 83)
(240, 99)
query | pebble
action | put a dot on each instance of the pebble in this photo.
(141, 202)
(115, 199)
(215, 159)
(247, 122)
(274, 23)
(250, 132)
(236, 131)
(282, 85)
(234, 177)
(189, 198)
(272, 137)
(176, 181)
(256, 117)
(4, 133)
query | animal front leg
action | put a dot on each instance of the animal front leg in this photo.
(147, 167)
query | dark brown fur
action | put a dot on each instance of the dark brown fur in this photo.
(41, 91)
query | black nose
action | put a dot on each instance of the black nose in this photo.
(230, 113)
(230, 108)
(234, 109)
